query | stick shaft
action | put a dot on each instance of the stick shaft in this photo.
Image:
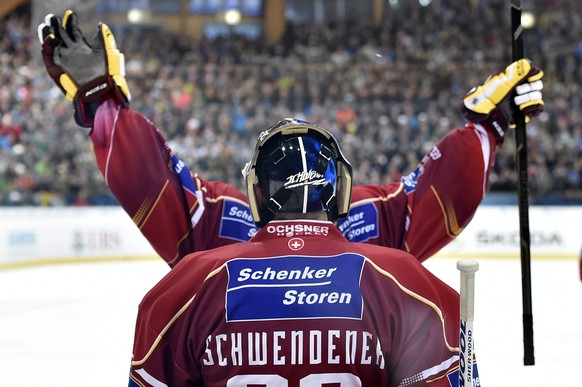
(522, 193)
(467, 268)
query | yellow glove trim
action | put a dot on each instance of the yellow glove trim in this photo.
(486, 97)
(115, 60)
(69, 86)
(122, 83)
(478, 102)
(531, 103)
(536, 77)
(65, 80)
(66, 17)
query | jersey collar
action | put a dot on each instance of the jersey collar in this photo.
(297, 228)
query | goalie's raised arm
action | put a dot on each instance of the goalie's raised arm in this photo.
(178, 213)
(446, 189)
(150, 182)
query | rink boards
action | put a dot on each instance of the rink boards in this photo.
(32, 236)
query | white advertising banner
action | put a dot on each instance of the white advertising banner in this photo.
(47, 235)
(555, 232)
(68, 233)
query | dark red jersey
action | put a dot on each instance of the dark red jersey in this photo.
(298, 305)
(180, 212)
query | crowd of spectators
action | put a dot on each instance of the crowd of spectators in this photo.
(388, 92)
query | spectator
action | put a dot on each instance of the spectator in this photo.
(422, 62)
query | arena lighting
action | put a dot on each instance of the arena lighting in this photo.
(528, 20)
(232, 17)
(424, 3)
(135, 15)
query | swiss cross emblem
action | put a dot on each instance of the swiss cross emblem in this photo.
(295, 244)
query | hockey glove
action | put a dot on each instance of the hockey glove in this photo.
(487, 104)
(86, 73)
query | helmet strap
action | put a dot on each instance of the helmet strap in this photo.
(330, 200)
(279, 199)
(323, 160)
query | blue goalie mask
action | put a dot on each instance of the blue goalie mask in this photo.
(297, 167)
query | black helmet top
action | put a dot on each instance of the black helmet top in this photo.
(297, 167)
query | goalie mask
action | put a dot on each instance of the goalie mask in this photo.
(297, 167)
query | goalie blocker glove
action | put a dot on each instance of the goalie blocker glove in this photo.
(487, 104)
(86, 73)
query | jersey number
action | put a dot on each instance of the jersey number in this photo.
(343, 379)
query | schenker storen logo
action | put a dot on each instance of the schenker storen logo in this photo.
(293, 287)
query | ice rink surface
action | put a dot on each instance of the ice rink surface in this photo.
(71, 325)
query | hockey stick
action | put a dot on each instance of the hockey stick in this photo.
(522, 192)
(467, 267)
